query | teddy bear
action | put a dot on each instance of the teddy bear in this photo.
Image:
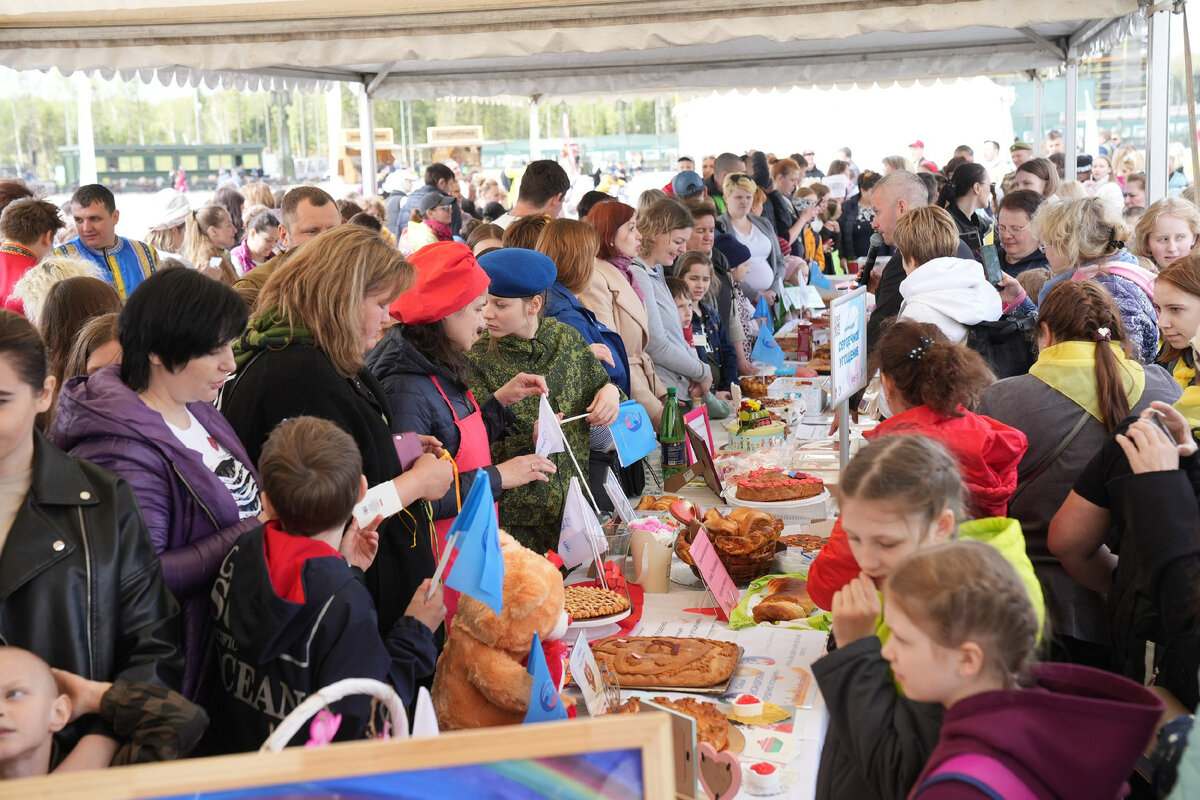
(481, 678)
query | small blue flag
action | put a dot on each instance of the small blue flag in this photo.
(479, 567)
(762, 310)
(817, 278)
(544, 703)
(633, 433)
(766, 349)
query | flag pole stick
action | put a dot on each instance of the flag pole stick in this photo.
(582, 478)
(596, 555)
(441, 567)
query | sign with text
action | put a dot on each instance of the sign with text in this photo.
(715, 576)
(848, 345)
(586, 674)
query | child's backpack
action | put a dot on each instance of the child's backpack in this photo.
(981, 772)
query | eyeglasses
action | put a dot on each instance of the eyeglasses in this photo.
(1005, 229)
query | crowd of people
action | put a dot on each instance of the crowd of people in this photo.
(189, 421)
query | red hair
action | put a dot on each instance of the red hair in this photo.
(607, 217)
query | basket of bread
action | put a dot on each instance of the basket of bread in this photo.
(745, 539)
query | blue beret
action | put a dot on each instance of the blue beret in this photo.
(517, 272)
(734, 251)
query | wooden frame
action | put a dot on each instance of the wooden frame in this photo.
(649, 733)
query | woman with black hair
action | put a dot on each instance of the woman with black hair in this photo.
(968, 191)
(151, 421)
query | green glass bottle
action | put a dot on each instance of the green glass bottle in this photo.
(672, 437)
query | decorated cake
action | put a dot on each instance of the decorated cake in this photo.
(755, 427)
(774, 485)
(762, 778)
(667, 661)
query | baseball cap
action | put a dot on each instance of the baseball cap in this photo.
(434, 199)
(918, 143)
(686, 183)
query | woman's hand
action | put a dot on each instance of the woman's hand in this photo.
(428, 479)
(1010, 289)
(603, 353)
(1176, 423)
(360, 545)
(856, 609)
(1148, 448)
(770, 295)
(430, 444)
(525, 469)
(604, 407)
(520, 387)
(84, 694)
(431, 612)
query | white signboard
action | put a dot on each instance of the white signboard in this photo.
(848, 344)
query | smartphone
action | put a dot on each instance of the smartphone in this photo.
(408, 448)
(1156, 417)
(991, 266)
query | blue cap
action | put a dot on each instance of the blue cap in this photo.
(734, 251)
(686, 183)
(517, 272)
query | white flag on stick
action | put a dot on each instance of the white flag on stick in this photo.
(550, 435)
(581, 538)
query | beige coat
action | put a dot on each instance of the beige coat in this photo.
(616, 305)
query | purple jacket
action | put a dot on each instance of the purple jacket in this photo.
(192, 518)
(1077, 733)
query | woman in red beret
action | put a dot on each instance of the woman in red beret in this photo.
(421, 364)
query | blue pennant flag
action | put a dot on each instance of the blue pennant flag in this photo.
(544, 703)
(633, 433)
(762, 310)
(817, 278)
(479, 568)
(766, 349)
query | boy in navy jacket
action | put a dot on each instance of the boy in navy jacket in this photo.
(292, 612)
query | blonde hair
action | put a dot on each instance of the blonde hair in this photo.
(963, 591)
(257, 193)
(649, 198)
(915, 474)
(35, 284)
(198, 248)
(1127, 160)
(1082, 230)
(1072, 190)
(662, 217)
(1167, 207)
(738, 180)
(323, 285)
(926, 233)
(572, 246)
(898, 163)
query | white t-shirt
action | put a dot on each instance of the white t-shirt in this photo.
(233, 473)
(761, 276)
(13, 489)
(505, 220)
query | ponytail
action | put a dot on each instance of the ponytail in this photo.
(926, 369)
(198, 248)
(1110, 389)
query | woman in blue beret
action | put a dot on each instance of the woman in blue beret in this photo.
(519, 339)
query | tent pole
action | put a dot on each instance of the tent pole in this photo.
(403, 134)
(535, 130)
(333, 125)
(1038, 108)
(87, 135)
(1158, 98)
(1070, 128)
(412, 142)
(366, 126)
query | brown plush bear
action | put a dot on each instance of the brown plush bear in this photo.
(481, 677)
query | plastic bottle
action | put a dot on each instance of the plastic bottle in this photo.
(672, 437)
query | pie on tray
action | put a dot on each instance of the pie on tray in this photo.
(805, 541)
(590, 602)
(711, 725)
(667, 661)
(773, 485)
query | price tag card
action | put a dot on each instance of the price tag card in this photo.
(612, 487)
(715, 576)
(586, 674)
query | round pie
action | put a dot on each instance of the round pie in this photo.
(711, 725)
(590, 602)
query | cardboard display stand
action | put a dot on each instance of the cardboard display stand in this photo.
(703, 467)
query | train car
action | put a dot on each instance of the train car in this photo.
(151, 167)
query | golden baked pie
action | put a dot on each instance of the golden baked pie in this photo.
(773, 485)
(711, 725)
(589, 602)
(805, 541)
(667, 661)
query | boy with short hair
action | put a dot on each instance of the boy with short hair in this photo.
(154, 724)
(292, 616)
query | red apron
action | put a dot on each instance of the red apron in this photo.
(474, 452)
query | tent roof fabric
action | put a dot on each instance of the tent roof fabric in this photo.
(553, 48)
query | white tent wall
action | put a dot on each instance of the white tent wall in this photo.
(874, 121)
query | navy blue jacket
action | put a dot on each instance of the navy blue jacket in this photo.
(272, 653)
(416, 405)
(566, 308)
(719, 354)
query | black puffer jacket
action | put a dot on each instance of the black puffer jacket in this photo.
(404, 373)
(80, 583)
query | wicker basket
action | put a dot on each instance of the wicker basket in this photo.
(742, 567)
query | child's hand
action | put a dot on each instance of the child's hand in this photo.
(84, 694)
(856, 609)
(360, 545)
(431, 612)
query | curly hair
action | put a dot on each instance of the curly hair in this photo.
(926, 369)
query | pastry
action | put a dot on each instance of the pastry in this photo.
(805, 541)
(667, 661)
(652, 503)
(762, 778)
(711, 725)
(773, 485)
(589, 602)
(785, 599)
(755, 385)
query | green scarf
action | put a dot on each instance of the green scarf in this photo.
(1070, 367)
(269, 331)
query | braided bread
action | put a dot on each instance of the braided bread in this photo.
(785, 599)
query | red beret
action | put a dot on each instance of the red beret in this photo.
(448, 279)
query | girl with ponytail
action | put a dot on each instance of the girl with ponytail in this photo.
(1083, 385)
(207, 237)
(968, 191)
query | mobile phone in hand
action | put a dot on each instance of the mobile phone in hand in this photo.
(991, 266)
(1156, 417)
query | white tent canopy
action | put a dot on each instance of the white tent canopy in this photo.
(553, 48)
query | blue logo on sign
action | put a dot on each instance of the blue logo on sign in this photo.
(549, 697)
(633, 421)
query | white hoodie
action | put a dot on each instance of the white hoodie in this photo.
(951, 293)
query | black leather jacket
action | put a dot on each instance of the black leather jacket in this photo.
(80, 583)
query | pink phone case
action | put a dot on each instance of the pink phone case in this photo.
(408, 448)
